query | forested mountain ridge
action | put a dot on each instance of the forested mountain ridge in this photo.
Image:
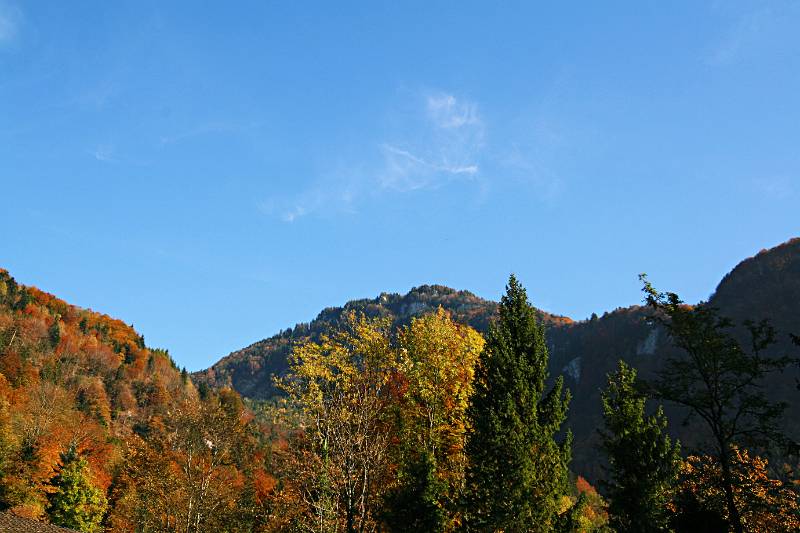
(87, 408)
(249, 371)
(766, 286)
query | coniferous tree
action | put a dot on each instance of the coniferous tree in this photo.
(644, 464)
(517, 471)
(415, 506)
(75, 503)
(54, 333)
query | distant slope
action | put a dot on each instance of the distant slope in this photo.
(767, 284)
(250, 370)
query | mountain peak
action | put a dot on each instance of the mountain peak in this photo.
(249, 370)
(766, 284)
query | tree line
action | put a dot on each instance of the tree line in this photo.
(425, 427)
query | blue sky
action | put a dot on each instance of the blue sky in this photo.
(214, 173)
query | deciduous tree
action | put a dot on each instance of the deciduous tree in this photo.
(719, 380)
(765, 504)
(436, 370)
(341, 388)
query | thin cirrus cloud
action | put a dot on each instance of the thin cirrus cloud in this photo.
(104, 153)
(740, 37)
(442, 144)
(209, 128)
(405, 171)
(775, 187)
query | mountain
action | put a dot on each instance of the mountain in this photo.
(766, 286)
(249, 371)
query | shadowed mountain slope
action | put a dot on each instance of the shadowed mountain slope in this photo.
(766, 286)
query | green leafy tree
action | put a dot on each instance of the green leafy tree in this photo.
(644, 464)
(75, 502)
(517, 473)
(719, 380)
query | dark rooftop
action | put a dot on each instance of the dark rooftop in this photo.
(16, 524)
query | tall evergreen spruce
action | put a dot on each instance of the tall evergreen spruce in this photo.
(517, 470)
(644, 464)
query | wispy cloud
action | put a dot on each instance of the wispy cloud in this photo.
(442, 142)
(767, 29)
(210, 128)
(534, 165)
(10, 21)
(449, 112)
(739, 38)
(329, 193)
(446, 145)
(108, 153)
(405, 171)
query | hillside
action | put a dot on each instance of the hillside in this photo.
(249, 370)
(71, 377)
(766, 286)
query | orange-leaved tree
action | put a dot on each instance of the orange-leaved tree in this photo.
(765, 504)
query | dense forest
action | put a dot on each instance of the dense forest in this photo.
(98, 431)
(437, 411)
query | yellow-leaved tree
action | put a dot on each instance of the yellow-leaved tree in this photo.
(437, 360)
(339, 389)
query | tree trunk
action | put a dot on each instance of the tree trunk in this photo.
(727, 480)
(351, 523)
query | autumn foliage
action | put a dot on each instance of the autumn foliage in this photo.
(83, 384)
(766, 503)
(371, 431)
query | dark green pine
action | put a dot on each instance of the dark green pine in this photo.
(643, 463)
(517, 470)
